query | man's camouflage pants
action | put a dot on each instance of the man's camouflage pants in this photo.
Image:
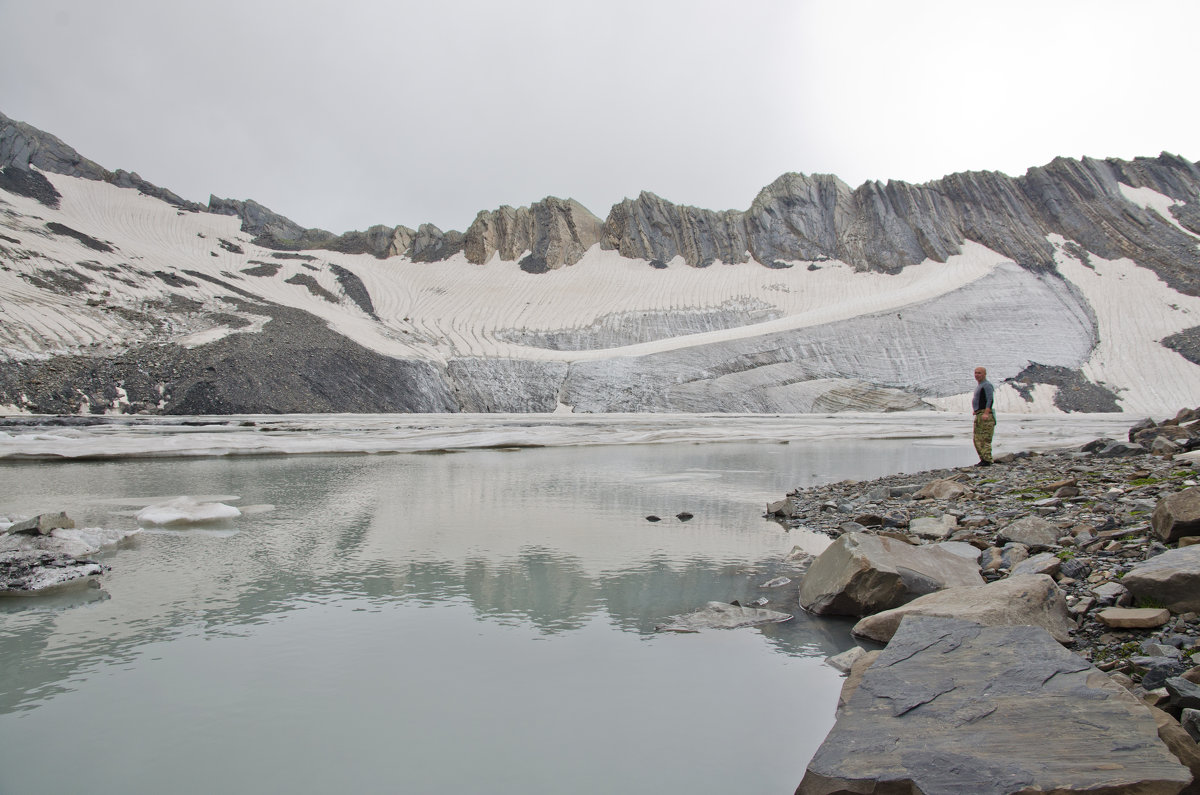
(984, 426)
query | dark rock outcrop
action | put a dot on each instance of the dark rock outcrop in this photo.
(29, 183)
(295, 365)
(23, 145)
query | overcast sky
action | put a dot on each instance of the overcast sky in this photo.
(350, 113)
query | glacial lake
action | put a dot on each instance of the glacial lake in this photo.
(469, 608)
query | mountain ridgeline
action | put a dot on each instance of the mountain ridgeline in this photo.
(877, 226)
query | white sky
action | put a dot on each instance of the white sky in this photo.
(344, 114)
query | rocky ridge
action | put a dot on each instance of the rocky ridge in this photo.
(877, 226)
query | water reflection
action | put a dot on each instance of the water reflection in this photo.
(552, 539)
(501, 602)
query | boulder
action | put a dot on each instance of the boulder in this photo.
(719, 615)
(1041, 563)
(1179, 742)
(942, 490)
(1119, 450)
(1177, 515)
(1006, 557)
(1111, 593)
(1184, 694)
(1171, 579)
(954, 707)
(1133, 617)
(1032, 531)
(1031, 599)
(860, 574)
(934, 527)
(42, 524)
(844, 662)
(784, 508)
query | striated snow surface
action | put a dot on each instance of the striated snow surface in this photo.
(607, 334)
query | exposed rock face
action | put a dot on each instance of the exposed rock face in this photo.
(650, 228)
(951, 707)
(885, 227)
(23, 146)
(553, 231)
(1030, 599)
(431, 244)
(861, 574)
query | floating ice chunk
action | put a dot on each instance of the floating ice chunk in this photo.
(185, 510)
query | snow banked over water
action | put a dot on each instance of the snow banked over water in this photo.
(135, 437)
(920, 331)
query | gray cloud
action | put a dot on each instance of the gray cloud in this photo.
(345, 114)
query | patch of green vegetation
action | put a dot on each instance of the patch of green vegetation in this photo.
(1150, 601)
(1145, 481)
(1124, 651)
(1065, 554)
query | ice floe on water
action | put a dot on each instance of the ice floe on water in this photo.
(186, 510)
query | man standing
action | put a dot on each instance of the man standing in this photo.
(985, 418)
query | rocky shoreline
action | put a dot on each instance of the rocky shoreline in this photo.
(1074, 542)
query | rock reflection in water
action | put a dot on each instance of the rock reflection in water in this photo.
(500, 550)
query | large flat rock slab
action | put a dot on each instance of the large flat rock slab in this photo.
(860, 574)
(1021, 599)
(952, 707)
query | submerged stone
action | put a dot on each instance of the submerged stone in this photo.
(718, 615)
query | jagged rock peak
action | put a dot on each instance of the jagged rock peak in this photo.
(652, 228)
(554, 232)
(888, 226)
